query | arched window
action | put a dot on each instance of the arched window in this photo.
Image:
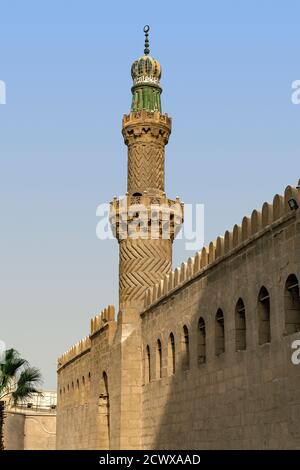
(105, 382)
(240, 326)
(171, 355)
(185, 348)
(201, 341)
(77, 383)
(104, 410)
(219, 332)
(158, 360)
(292, 305)
(147, 365)
(264, 328)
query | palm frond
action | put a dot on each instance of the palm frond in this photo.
(10, 366)
(27, 384)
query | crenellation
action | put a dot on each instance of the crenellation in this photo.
(76, 350)
(211, 252)
(197, 263)
(183, 270)
(166, 284)
(291, 193)
(219, 247)
(236, 235)
(241, 234)
(171, 281)
(246, 228)
(190, 268)
(255, 222)
(177, 277)
(99, 321)
(227, 241)
(144, 116)
(160, 289)
(266, 214)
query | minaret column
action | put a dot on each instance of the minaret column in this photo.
(145, 223)
(145, 251)
(146, 134)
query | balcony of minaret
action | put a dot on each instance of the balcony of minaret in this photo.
(146, 217)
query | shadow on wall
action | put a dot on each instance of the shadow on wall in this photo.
(227, 377)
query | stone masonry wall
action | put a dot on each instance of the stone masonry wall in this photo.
(234, 387)
(82, 406)
(247, 398)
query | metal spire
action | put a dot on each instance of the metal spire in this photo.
(146, 31)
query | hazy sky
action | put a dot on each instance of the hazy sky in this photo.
(227, 73)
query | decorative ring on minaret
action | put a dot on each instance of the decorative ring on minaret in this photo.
(146, 31)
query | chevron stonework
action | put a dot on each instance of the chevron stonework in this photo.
(142, 264)
(146, 135)
(146, 167)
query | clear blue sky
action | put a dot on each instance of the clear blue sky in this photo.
(227, 73)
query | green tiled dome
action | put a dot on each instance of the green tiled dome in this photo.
(146, 73)
(146, 70)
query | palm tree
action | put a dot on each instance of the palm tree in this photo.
(18, 381)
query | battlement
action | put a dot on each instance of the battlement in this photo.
(97, 323)
(242, 234)
(144, 116)
(76, 350)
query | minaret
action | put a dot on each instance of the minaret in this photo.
(145, 222)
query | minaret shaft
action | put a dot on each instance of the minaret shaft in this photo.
(145, 223)
(145, 253)
(146, 134)
(144, 261)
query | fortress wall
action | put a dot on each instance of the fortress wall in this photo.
(235, 399)
(232, 399)
(249, 230)
(82, 405)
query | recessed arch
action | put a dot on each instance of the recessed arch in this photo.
(158, 360)
(240, 326)
(292, 305)
(263, 307)
(185, 348)
(171, 354)
(147, 364)
(219, 332)
(104, 413)
(201, 341)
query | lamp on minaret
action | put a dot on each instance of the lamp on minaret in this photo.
(145, 259)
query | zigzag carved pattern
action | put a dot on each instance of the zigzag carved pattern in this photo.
(143, 263)
(145, 167)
